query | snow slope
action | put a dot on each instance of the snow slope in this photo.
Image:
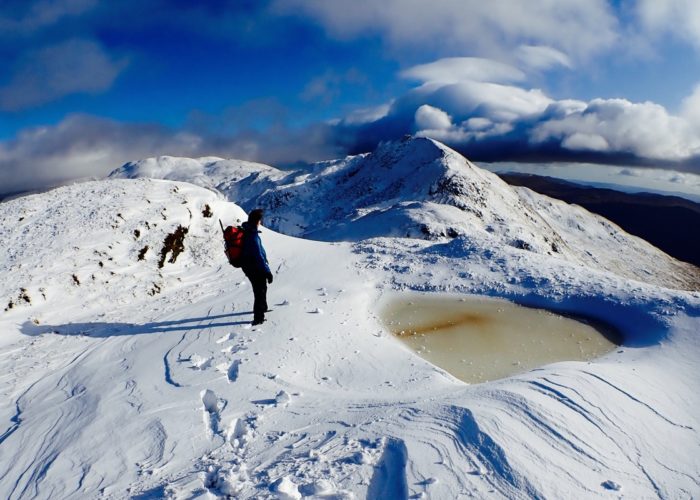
(124, 379)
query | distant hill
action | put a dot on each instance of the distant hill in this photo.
(670, 223)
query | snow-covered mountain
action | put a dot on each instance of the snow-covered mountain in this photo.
(419, 188)
(130, 369)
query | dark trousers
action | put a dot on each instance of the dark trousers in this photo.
(259, 282)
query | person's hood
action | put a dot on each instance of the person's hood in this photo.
(247, 226)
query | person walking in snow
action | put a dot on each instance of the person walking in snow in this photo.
(254, 264)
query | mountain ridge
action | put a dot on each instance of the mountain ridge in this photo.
(420, 188)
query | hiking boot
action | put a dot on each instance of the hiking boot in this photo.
(257, 322)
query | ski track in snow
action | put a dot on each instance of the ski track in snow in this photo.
(177, 397)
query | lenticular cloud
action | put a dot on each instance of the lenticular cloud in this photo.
(500, 117)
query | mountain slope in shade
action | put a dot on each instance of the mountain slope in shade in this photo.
(665, 221)
(419, 188)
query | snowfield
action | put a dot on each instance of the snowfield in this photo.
(130, 370)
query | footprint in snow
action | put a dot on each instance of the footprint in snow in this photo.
(282, 398)
(611, 485)
(226, 338)
(238, 433)
(428, 482)
(238, 348)
(320, 488)
(212, 407)
(200, 362)
(233, 370)
(210, 401)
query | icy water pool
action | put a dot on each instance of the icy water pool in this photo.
(479, 339)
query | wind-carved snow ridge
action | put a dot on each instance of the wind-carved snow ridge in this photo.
(490, 459)
(124, 379)
(15, 422)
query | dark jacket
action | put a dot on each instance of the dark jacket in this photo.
(253, 255)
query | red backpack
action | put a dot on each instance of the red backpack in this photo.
(233, 243)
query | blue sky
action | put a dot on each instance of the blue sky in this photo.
(87, 85)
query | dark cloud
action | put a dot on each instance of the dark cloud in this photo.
(47, 74)
(25, 17)
(256, 114)
(29, 17)
(83, 146)
(330, 85)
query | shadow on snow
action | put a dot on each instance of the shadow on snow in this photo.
(118, 329)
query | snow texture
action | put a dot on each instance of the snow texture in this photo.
(123, 379)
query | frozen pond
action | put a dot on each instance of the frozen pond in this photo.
(478, 339)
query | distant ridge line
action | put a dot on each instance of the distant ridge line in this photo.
(653, 217)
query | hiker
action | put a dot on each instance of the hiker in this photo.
(254, 264)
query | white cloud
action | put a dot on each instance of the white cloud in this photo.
(690, 108)
(477, 124)
(493, 100)
(430, 118)
(467, 132)
(680, 18)
(39, 14)
(50, 73)
(467, 87)
(458, 69)
(646, 130)
(579, 28)
(367, 115)
(585, 142)
(542, 58)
